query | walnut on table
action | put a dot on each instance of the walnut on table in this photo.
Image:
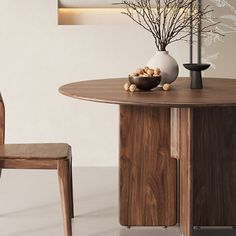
(126, 86)
(132, 88)
(166, 87)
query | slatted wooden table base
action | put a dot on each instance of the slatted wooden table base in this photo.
(147, 172)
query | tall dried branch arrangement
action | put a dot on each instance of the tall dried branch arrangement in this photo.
(170, 20)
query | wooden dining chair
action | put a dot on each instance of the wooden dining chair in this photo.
(41, 156)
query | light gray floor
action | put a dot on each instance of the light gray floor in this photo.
(30, 206)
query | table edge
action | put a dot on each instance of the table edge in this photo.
(170, 105)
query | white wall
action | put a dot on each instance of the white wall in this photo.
(220, 51)
(37, 56)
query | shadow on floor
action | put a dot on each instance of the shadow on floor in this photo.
(214, 232)
(174, 231)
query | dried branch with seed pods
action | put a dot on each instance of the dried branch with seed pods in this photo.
(170, 20)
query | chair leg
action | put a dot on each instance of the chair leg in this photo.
(63, 176)
(71, 188)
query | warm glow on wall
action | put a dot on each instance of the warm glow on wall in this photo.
(90, 10)
(91, 16)
(88, 3)
(77, 12)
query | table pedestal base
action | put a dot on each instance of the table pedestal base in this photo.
(207, 155)
(204, 141)
(147, 172)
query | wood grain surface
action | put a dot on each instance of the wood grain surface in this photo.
(34, 151)
(64, 183)
(147, 172)
(214, 166)
(175, 133)
(185, 120)
(207, 167)
(216, 92)
(28, 164)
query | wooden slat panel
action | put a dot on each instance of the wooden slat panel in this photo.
(175, 133)
(147, 172)
(186, 174)
(215, 166)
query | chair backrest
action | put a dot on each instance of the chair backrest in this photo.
(2, 121)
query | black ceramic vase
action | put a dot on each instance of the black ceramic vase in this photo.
(196, 74)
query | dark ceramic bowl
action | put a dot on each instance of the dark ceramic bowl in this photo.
(196, 74)
(196, 67)
(145, 83)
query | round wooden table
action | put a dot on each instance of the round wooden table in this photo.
(196, 128)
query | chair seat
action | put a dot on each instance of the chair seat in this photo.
(34, 151)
